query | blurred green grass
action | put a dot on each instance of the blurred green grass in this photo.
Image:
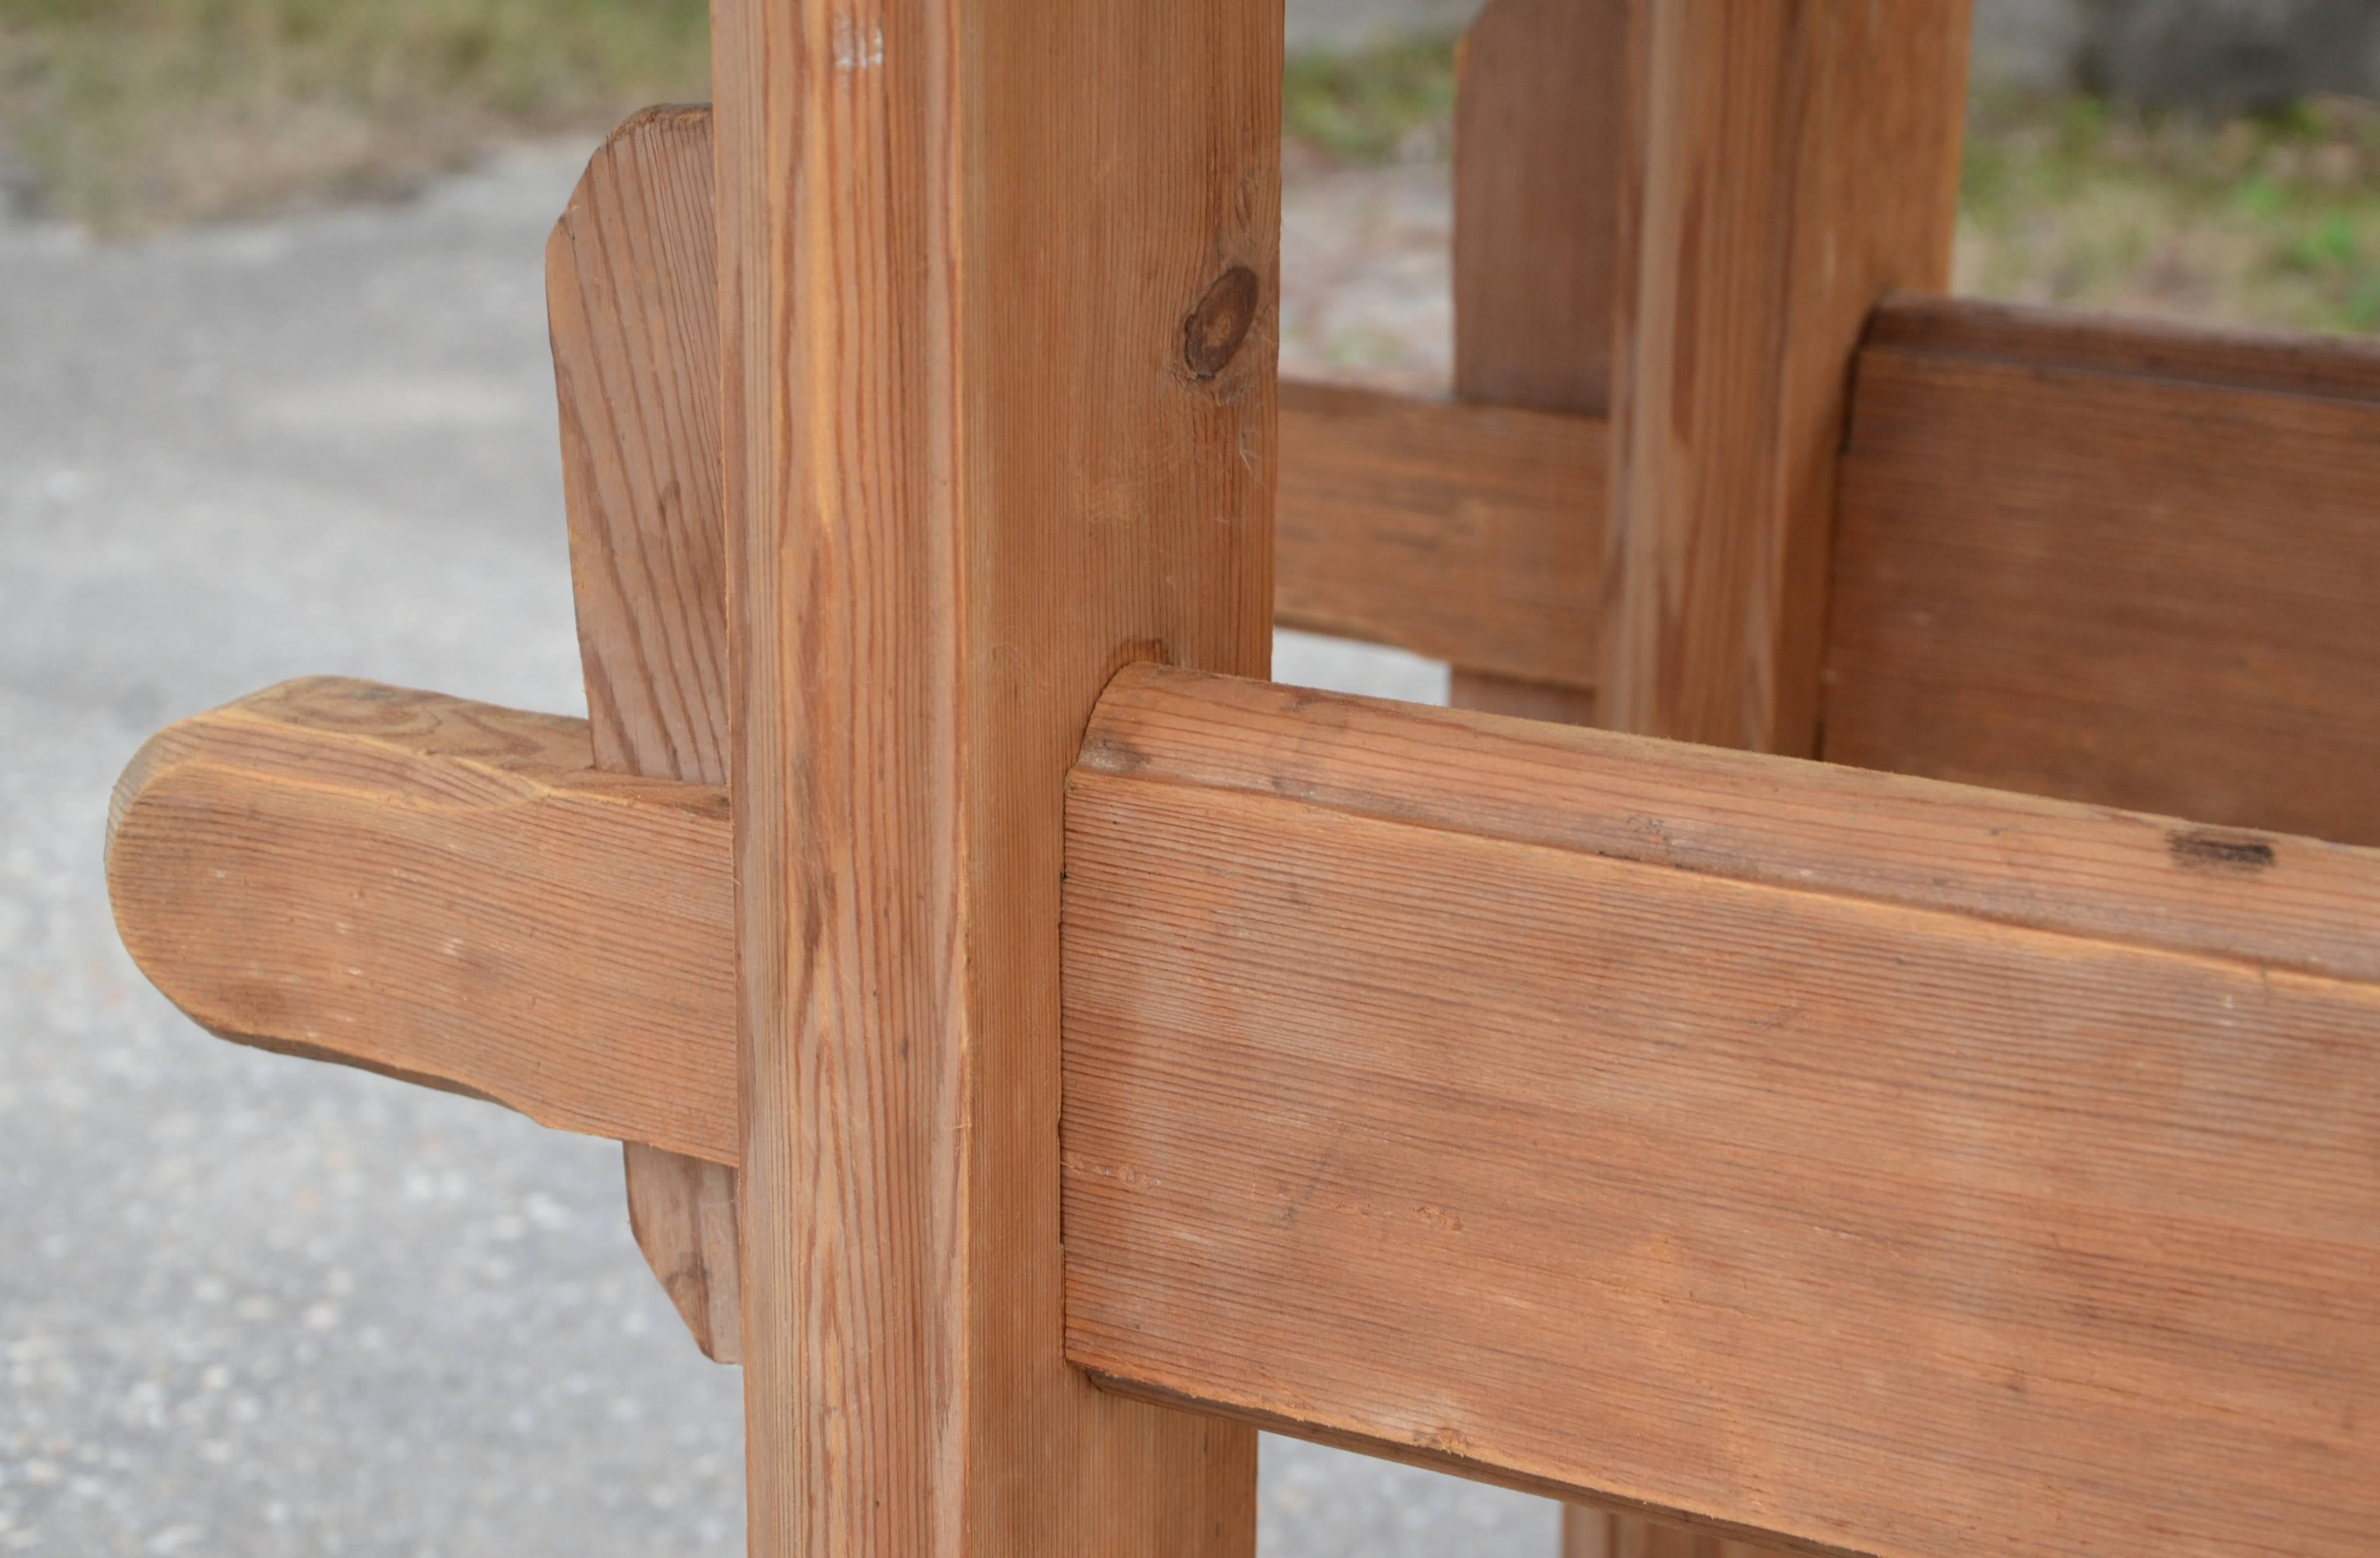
(129, 115)
(2272, 220)
(1393, 101)
(132, 114)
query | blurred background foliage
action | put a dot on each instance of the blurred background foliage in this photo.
(2271, 219)
(129, 115)
(132, 114)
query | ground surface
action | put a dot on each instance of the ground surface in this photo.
(252, 1306)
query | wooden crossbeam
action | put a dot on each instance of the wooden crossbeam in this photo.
(2104, 559)
(1867, 1161)
(1471, 534)
(444, 892)
(2114, 561)
(2016, 1165)
(230, 833)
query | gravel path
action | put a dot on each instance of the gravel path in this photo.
(252, 1306)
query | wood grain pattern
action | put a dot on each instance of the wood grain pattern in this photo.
(267, 784)
(632, 305)
(632, 294)
(1787, 165)
(1815, 1154)
(1471, 534)
(999, 303)
(683, 1212)
(1538, 131)
(439, 891)
(2117, 562)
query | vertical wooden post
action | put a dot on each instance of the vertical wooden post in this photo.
(997, 296)
(1787, 165)
(1539, 125)
(1680, 213)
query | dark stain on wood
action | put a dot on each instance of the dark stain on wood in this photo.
(2202, 849)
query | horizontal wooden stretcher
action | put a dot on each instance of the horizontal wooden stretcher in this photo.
(1990, 1126)
(2107, 561)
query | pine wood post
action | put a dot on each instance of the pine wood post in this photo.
(1784, 166)
(1787, 165)
(998, 291)
(1694, 205)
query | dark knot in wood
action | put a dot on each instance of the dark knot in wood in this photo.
(1211, 335)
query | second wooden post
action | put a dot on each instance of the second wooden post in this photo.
(1679, 214)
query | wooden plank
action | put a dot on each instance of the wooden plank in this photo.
(277, 791)
(2114, 561)
(1000, 300)
(1825, 1155)
(632, 297)
(1788, 164)
(444, 892)
(682, 1211)
(1538, 131)
(1471, 534)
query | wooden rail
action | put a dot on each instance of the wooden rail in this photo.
(2104, 560)
(2016, 1155)
(444, 892)
(1471, 534)
(1860, 1160)
(2114, 561)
